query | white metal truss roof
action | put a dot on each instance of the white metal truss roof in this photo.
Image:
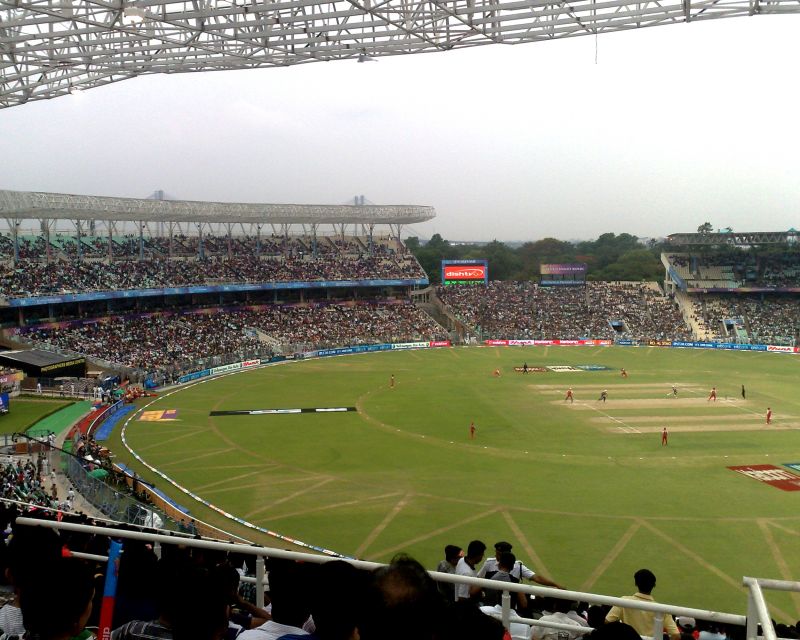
(27, 205)
(736, 239)
(51, 47)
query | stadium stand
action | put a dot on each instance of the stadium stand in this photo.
(739, 297)
(764, 319)
(171, 342)
(738, 270)
(29, 279)
(174, 338)
(605, 310)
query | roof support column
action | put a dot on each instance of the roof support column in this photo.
(314, 239)
(110, 225)
(169, 250)
(285, 233)
(370, 243)
(79, 248)
(230, 240)
(200, 250)
(258, 240)
(14, 224)
(46, 229)
(141, 240)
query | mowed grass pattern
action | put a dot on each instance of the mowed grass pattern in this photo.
(584, 492)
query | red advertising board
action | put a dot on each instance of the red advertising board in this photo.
(464, 272)
(771, 475)
(439, 343)
(784, 349)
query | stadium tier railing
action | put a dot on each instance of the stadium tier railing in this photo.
(758, 613)
(111, 502)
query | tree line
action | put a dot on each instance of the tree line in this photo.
(610, 257)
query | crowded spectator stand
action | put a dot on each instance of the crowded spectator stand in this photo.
(595, 310)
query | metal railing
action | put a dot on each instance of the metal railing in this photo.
(115, 504)
(757, 609)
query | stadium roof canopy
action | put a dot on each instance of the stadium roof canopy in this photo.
(26, 205)
(52, 47)
(744, 239)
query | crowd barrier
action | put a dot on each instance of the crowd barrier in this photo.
(757, 610)
(112, 503)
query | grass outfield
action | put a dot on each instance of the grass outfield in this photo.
(25, 412)
(585, 492)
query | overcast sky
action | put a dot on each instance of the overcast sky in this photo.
(673, 127)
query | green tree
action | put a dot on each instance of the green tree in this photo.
(638, 264)
(504, 263)
(705, 228)
(430, 256)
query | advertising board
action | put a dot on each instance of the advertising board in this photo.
(569, 274)
(456, 272)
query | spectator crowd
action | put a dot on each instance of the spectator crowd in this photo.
(190, 593)
(27, 279)
(759, 319)
(172, 341)
(602, 310)
(31, 482)
(130, 246)
(739, 270)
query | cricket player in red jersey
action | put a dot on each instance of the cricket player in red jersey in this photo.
(769, 415)
(496, 373)
(664, 437)
(472, 430)
(713, 394)
(623, 373)
(569, 395)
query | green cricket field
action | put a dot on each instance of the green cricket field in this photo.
(586, 491)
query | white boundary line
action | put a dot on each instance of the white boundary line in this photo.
(193, 495)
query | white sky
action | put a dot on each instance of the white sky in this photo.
(675, 126)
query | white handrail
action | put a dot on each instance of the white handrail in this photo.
(591, 598)
(757, 611)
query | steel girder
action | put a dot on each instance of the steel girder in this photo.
(52, 47)
(32, 205)
(742, 239)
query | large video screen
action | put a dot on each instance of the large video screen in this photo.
(458, 272)
(562, 274)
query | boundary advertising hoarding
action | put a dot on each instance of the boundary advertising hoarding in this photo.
(321, 353)
(465, 272)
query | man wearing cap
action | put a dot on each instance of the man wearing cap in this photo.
(641, 620)
(520, 571)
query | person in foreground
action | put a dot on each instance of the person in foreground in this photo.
(640, 620)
